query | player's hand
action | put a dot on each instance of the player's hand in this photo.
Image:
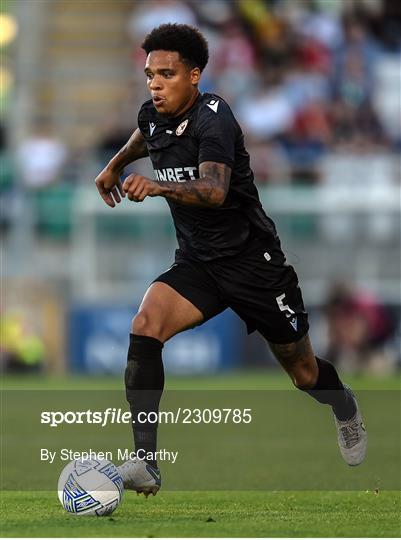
(110, 187)
(139, 187)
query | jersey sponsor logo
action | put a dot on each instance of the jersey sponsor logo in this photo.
(176, 174)
(152, 127)
(181, 128)
(213, 104)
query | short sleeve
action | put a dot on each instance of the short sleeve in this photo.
(217, 132)
(142, 120)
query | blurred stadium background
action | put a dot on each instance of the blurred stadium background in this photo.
(315, 85)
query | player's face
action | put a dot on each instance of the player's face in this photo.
(172, 84)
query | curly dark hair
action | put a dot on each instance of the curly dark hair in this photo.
(182, 38)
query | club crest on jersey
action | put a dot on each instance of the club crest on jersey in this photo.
(181, 128)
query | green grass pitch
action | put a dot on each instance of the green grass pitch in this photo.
(212, 514)
(208, 513)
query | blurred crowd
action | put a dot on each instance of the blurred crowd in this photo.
(360, 330)
(305, 78)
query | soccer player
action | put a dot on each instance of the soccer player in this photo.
(229, 253)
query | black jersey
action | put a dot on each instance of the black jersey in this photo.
(206, 132)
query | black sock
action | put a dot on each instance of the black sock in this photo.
(144, 383)
(330, 390)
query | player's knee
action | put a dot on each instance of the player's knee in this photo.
(304, 377)
(144, 324)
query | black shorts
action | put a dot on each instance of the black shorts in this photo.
(257, 284)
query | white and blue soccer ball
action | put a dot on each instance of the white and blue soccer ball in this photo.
(91, 487)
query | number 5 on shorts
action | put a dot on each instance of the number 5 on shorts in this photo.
(284, 307)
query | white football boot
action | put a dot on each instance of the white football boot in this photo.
(352, 436)
(140, 477)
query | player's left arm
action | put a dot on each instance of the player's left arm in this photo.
(208, 191)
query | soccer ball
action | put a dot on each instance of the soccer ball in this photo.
(91, 487)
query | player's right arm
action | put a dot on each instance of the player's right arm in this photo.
(108, 182)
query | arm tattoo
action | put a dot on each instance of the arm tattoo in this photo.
(135, 147)
(208, 191)
(133, 150)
